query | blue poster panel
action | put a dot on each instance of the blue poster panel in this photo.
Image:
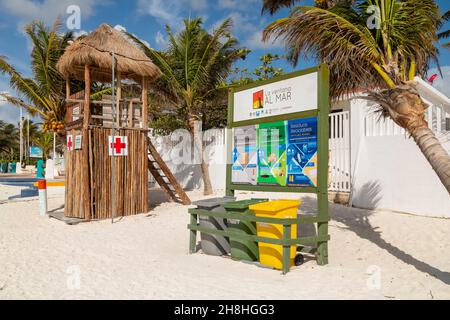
(302, 152)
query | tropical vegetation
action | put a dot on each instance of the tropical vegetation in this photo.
(265, 71)
(9, 141)
(44, 92)
(193, 65)
(376, 47)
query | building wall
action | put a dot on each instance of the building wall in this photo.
(390, 172)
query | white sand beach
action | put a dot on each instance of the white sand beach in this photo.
(146, 257)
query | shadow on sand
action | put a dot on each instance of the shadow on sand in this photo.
(357, 221)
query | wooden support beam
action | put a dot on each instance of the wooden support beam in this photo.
(86, 190)
(87, 97)
(67, 89)
(130, 114)
(118, 97)
(144, 103)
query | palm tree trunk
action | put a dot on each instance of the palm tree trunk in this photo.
(404, 105)
(198, 144)
(436, 155)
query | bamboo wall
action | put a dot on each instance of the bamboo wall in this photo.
(130, 173)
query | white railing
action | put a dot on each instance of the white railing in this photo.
(438, 119)
(339, 144)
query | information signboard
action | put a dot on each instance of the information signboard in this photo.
(278, 141)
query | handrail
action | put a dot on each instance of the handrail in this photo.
(252, 218)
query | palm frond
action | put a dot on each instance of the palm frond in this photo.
(273, 6)
(20, 103)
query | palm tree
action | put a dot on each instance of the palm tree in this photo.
(9, 141)
(383, 60)
(445, 34)
(194, 65)
(44, 141)
(44, 93)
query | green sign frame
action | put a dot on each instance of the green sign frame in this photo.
(322, 113)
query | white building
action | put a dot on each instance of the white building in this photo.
(373, 163)
(379, 165)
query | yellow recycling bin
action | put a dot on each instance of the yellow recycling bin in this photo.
(271, 254)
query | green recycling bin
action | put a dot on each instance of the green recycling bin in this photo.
(242, 249)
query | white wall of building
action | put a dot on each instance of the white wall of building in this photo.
(388, 169)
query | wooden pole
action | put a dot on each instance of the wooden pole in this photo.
(85, 146)
(113, 112)
(118, 97)
(144, 103)
(87, 97)
(130, 114)
(67, 88)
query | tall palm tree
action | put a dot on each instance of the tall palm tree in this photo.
(383, 60)
(194, 65)
(44, 92)
(445, 34)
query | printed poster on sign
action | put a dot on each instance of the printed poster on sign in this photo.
(272, 153)
(302, 152)
(245, 156)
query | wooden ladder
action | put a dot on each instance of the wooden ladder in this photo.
(160, 171)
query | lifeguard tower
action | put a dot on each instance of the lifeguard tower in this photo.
(107, 136)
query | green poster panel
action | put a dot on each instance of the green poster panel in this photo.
(272, 153)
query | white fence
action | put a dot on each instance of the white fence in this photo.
(437, 117)
(339, 144)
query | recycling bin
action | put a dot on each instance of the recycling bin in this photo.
(271, 255)
(213, 244)
(242, 249)
(13, 167)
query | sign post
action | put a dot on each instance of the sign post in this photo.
(284, 121)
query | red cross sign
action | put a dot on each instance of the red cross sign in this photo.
(118, 145)
(69, 143)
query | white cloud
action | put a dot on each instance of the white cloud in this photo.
(80, 33)
(160, 40)
(46, 10)
(171, 11)
(236, 4)
(442, 83)
(198, 4)
(8, 113)
(255, 42)
(120, 28)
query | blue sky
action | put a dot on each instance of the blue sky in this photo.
(147, 19)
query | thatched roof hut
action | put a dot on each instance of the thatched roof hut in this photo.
(95, 49)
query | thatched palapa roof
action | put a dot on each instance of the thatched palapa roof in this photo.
(95, 50)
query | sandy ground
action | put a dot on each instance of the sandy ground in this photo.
(373, 255)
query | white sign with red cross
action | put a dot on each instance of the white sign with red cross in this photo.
(118, 145)
(69, 142)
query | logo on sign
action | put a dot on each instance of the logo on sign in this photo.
(69, 143)
(118, 145)
(258, 99)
